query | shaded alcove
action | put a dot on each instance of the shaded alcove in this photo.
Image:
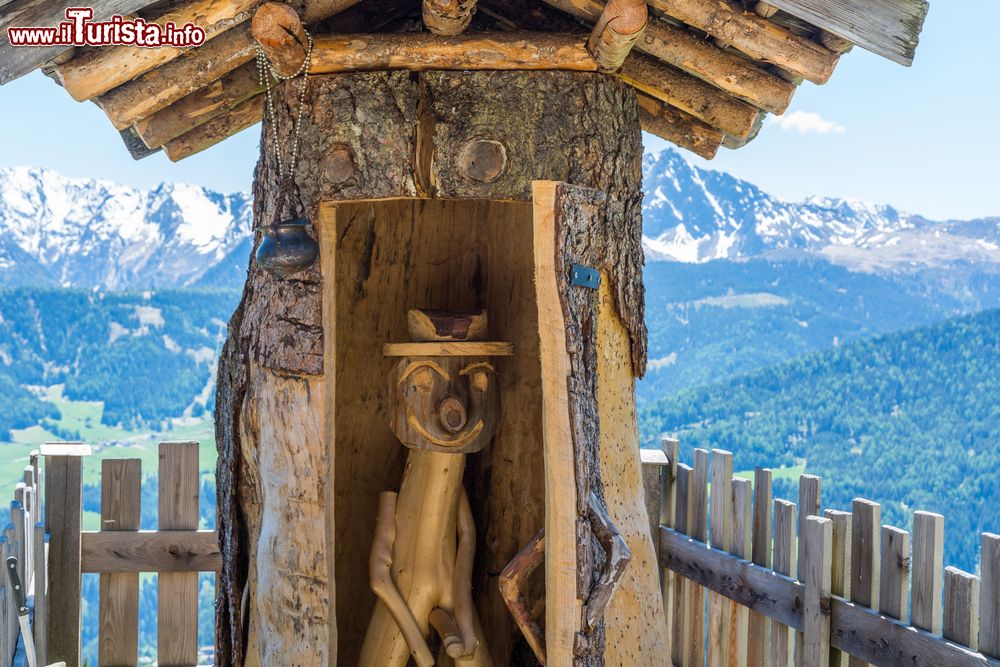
(389, 256)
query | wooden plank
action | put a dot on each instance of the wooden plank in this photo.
(961, 607)
(816, 575)
(759, 630)
(926, 612)
(855, 629)
(783, 562)
(762, 40)
(682, 587)
(151, 551)
(16, 62)
(177, 603)
(41, 592)
(890, 28)
(721, 528)
(118, 632)
(989, 594)
(840, 576)
(894, 577)
(63, 505)
(740, 546)
(6, 651)
(771, 593)
(694, 649)
(563, 610)
(809, 495)
(866, 520)
(653, 461)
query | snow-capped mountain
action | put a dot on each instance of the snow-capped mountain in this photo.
(68, 232)
(694, 215)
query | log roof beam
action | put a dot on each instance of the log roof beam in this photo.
(678, 127)
(755, 36)
(616, 31)
(448, 17)
(677, 46)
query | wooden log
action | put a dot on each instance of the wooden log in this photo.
(835, 43)
(96, 72)
(200, 106)
(177, 599)
(840, 578)
(720, 527)
(961, 607)
(419, 52)
(63, 507)
(677, 46)
(448, 17)
(118, 635)
(866, 520)
(157, 89)
(23, 13)
(894, 578)
(757, 37)
(693, 96)
(764, 9)
(928, 571)
(615, 33)
(890, 28)
(678, 127)
(280, 33)
(694, 650)
(989, 595)
(816, 575)
(740, 545)
(682, 587)
(245, 114)
(783, 562)
(759, 631)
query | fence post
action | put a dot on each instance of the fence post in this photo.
(682, 587)
(177, 629)
(840, 580)
(816, 543)
(63, 515)
(928, 571)
(740, 545)
(118, 638)
(809, 490)
(41, 590)
(759, 641)
(866, 519)
(782, 650)
(721, 518)
(694, 652)
(961, 607)
(989, 595)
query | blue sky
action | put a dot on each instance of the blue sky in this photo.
(924, 139)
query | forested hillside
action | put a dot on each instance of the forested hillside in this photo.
(148, 356)
(910, 419)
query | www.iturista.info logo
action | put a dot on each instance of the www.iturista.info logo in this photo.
(79, 30)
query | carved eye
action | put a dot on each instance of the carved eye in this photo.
(420, 374)
(479, 375)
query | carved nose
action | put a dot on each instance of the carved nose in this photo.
(452, 414)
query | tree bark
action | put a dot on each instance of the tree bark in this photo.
(379, 135)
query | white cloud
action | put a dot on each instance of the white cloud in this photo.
(807, 122)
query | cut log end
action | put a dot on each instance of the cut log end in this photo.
(280, 33)
(448, 17)
(616, 32)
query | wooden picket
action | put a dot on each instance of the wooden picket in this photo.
(853, 591)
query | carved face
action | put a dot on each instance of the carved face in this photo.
(444, 403)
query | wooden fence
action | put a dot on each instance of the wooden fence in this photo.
(751, 580)
(57, 552)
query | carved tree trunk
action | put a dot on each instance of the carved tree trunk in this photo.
(449, 136)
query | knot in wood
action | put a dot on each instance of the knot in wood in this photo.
(452, 414)
(483, 160)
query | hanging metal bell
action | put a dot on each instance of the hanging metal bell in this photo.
(286, 248)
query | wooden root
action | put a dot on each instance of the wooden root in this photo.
(380, 571)
(617, 29)
(448, 17)
(617, 556)
(512, 587)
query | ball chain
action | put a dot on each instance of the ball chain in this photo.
(266, 70)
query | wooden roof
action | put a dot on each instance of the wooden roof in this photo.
(706, 71)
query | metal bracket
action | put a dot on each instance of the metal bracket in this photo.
(583, 276)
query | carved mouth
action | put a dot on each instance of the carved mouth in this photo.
(458, 441)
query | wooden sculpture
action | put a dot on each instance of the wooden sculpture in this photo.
(445, 404)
